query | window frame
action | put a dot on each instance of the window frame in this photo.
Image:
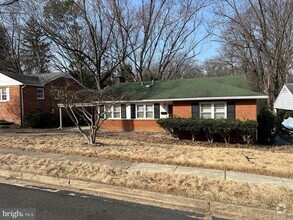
(113, 111)
(212, 104)
(110, 113)
(58, 94)
(7, 94)
(145, 110)
(137, 112)
(42, 93)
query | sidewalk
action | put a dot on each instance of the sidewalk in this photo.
(209, 209)
(151, 167)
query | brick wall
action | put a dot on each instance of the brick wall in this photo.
(182, 109)
(132, 125)
(11, 110)
(246, 110)
(48, 105)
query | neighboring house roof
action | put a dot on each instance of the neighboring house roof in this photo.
(212, 88)
(285, 98)
(35, 80)
(24, 79)
(289, 87)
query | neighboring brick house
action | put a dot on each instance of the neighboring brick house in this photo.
(212, 97)
(24, 95)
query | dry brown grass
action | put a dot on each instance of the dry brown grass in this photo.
(266, 161)
(195, 187)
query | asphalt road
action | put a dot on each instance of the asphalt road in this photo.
(54, 204)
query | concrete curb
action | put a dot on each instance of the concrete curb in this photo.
(228, 211)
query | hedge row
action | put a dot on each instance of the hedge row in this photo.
(210, 127)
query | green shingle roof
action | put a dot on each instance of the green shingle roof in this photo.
(196, 88)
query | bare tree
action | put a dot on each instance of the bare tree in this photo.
(179, 67)
(164, 30)
(84, 31)
(259, 35)
(90, 108)
(6, 3)
(11, 22)
(221, 65)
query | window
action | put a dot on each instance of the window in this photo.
(149, 111)
(140, 111)
(145, 111)
(108, 110)
(58, 94)
(112, 111)
(206, 111)
(219, 110)
(116, 111)
(4, 94)
(40, 93)
(213, 110)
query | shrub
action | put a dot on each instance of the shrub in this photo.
(37, 120)
(225, 128)
(247, 130)
(171, 125)
(194, 126)
(266, 124)
(210, 127)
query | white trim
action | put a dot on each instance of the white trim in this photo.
(145, 111)
(60, 105)
(22, 104)
(213, 108)
(284, 99)
(111, 111)
(190, 99)
(43, 93)
(288, 89)
(7, 94)
(205, 98)
(278, 97)
(8, 81)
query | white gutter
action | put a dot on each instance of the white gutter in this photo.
(207, 98)
(93, 103)
(22, 104)
(189, 99)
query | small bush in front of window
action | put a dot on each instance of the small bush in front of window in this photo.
(211, 128)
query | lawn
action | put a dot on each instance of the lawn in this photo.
(254, 195)
(158, 148)
(154, 148)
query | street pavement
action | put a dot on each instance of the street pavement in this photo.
(52, 204)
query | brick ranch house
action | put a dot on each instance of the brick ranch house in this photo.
(212, 97)
(23, 95)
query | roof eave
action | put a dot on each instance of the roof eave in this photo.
(207, 98)
(190, 99)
